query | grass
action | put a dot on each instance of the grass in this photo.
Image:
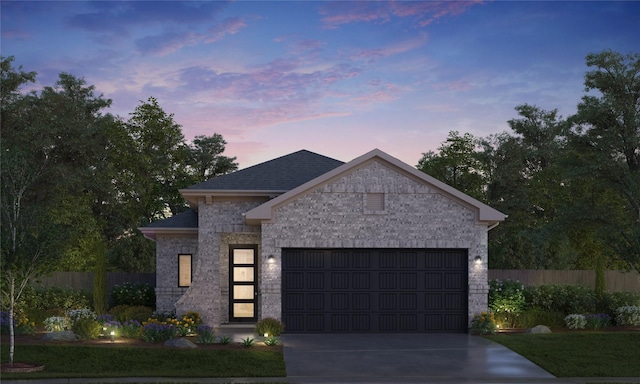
(585, 354)
(63, 361)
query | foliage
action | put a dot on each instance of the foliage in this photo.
(270, 326)
(532, 317)
(206, 335)
(629, 315)
(271, 341)
(78, 314)
(53, 298)
(56, 324)
(86, 328)
(224, 339)
(483, 324)
(100, 299)
(610, 301)
(597, 320)
(133, 294)
(562, 298)
(22, 324)
(456, 164)
(154, 331)
(575, 321)
(506, 296)
(248, 342)
(131, 329)
(123, 313)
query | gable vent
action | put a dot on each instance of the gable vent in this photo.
(375, 201)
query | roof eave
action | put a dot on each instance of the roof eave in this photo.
(151, 232)
(192, 195)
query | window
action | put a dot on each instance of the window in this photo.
(184, 270)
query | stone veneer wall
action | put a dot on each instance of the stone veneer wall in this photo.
(211, 273)
(334, 216)
(167, 250)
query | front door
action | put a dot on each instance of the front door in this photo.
(243, 282)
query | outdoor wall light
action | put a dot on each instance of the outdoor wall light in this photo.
(271, 258)
(478, 259)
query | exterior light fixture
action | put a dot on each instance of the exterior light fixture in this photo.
(478, 259)
(271, 258)
(266, 334)
(113, 336)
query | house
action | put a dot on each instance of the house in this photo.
(372, 245)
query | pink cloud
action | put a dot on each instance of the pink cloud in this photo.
(454, 86)
(371, 55)
(229, 26)
(423, 13)
(17, 35)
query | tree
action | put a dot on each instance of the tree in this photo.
(207, 160)
(606, 132)
(456, 164)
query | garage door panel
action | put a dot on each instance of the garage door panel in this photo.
(374, 290)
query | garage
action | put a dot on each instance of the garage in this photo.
(374, 290)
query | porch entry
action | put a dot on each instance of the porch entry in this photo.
(243, 282)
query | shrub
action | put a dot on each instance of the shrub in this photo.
(597, 321)
(78, 314)
(562, 298)
(271, 341)
(506, 296)
(610, 301)
(52, 298)
(157, 332)
(86, 328)
(164, 315)
(224, 339)
(133, 294)
(21, 324)
(248, 342)
(206, 335)
(483, 324)
(270, 326)
(123, 313)
(131, 329)
(532, 317)
(111, 326)
(575, 321)
(56, 324)
(629, 315)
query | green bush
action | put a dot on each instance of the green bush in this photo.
(270, 326)
(86, 328)
(562, 298)
(610, 301)
(134, 294)
(483, 324)
(52, 298)
(124, 313)
(506, 296)
(532, 317)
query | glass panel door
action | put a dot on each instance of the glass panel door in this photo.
(243, 283)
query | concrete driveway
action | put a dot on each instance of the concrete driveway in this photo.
(404, 358)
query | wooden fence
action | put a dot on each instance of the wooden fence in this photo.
(617, 281)
(84, 280)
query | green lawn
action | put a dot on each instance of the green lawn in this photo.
(95, 361)
(586, 354)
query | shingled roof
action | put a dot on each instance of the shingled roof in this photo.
(280, 174)
(186, 219)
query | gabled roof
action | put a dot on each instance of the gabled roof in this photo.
(485, 213)
(183, 223)
(270, 178)
(280, 174)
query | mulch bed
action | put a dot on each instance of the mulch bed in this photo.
(36, 339)
(627, 328)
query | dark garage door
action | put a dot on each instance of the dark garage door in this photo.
(374, 290)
